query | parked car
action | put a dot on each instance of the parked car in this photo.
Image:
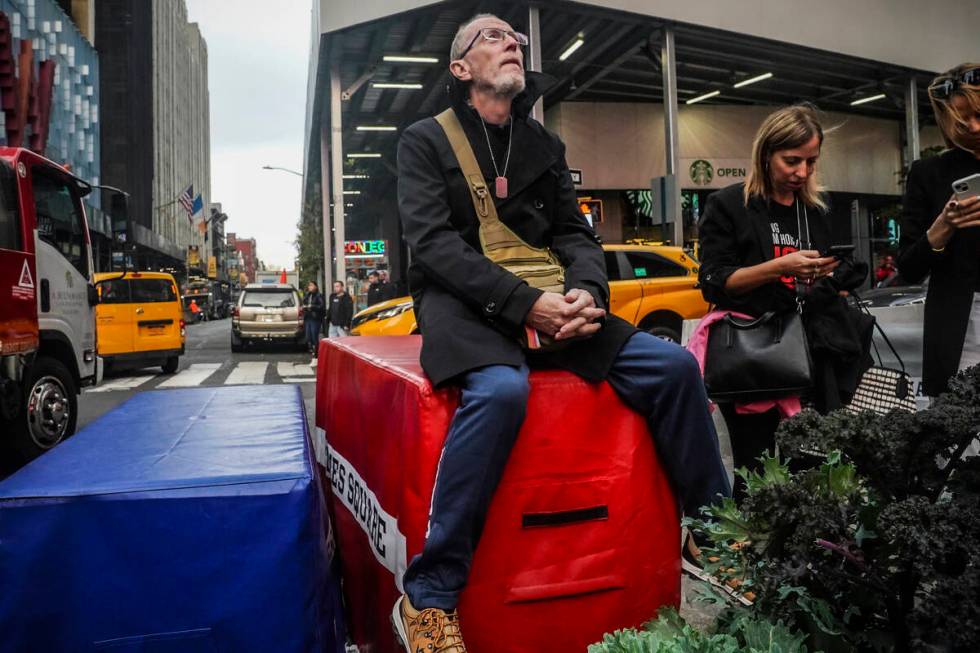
(267, 312)
(653, 287)
(139, 320)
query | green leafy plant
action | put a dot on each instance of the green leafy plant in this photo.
(865, 535)
(741, 633)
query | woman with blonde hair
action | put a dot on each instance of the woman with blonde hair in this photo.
(940, 234)
(761, 244)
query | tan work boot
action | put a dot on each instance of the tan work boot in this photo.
(426, 631)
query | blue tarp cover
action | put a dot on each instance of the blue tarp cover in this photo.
(183, 520)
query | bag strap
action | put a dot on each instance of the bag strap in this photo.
(884, 335)
(482, 202)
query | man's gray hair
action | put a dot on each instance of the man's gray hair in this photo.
(460, 41)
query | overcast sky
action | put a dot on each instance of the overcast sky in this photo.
(257, 62)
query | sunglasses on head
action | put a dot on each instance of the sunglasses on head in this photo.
(495, 34)
(944, 86)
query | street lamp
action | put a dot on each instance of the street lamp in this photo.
(292, 172)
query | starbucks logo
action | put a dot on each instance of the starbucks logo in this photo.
(702, 172)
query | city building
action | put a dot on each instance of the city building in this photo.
(155, 80)
(218, 245)
(249, 262)
(657, 103)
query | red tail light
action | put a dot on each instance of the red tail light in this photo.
(234, 311)
(183, 328)
(300, 312)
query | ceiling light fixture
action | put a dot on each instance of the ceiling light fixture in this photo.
(355, 176)
(399, 58)
(865, 100)
(395, 85)
(364, 155)
(352, 192)
(697, 99)
(570, 50)
(376, 128)
(752, 80)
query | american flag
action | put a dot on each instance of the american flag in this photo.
(186, 200)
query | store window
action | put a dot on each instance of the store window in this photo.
(9, 215)
(59, 220)
(646, 265)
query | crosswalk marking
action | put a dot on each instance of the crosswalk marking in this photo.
(200, 374)
(196, 374)
(125, 383)
(287, 370)
(247, 372)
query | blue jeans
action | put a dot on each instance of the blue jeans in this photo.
(312, 329)
(658, 379)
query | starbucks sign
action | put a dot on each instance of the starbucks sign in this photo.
(714, 173)
(701, 172)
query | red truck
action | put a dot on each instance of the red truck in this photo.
(47, 301)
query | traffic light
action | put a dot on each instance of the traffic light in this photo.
(591, 209)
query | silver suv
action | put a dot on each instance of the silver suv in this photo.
(267, 312)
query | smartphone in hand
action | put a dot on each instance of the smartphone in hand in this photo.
(967, 187)
(838, 251)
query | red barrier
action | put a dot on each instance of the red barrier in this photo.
(582, 457)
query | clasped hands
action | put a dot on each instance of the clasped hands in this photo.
(572, 315)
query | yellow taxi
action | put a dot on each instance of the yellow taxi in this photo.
(139, 320)
(651, 286)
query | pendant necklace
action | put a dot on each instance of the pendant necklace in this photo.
(500, 183)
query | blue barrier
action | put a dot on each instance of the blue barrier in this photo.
(183, 520)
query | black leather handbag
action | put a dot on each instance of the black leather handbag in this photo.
(764, 358)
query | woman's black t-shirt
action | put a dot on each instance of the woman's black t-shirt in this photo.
(784, 229)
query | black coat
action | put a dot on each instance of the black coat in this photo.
(313, 308)
(733, 236)
(954, 274)
(341, 310)
(375, 293)
(469, 309)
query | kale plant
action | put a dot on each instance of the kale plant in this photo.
(863, 535)
(742, 633)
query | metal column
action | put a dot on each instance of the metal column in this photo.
(911, 122)
(534, 55)
(337, 169)
(326, 270)
(668, 64)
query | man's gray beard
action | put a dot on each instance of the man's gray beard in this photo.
(509, 86)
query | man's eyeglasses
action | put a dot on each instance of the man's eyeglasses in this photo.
(942, 87)
(495, 34)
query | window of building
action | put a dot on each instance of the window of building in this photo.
(647, 265)
(59, 219)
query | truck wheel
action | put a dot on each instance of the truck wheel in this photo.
(170, 365)
(50, 408)
(237, 345)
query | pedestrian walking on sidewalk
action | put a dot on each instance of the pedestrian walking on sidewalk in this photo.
(313, 313)
(340, 312)
(941, 233)
(483, 325)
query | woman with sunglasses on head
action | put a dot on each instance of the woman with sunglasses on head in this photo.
(761, 244)
(941, 234)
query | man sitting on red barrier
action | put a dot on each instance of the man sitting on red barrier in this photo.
(474, 312)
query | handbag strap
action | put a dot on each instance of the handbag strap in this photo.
(485, 209)
(884, 335)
